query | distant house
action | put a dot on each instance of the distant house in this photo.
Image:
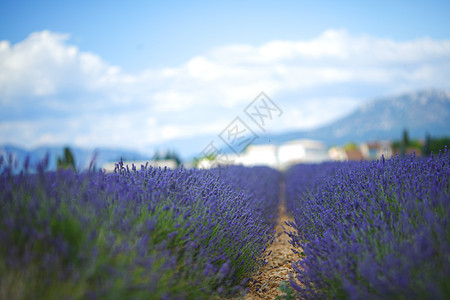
(354, 154)
(413, 150)
(365, 151)
(254, 155)
(280, 157)
(170, 163)
(301, 151)
(260, 155)
(374, 150)
(342, 154)
(221, 160)
(337, 153)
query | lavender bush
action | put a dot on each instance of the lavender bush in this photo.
(301, 179)
(376, 230)
(134, 234)
(261, 183)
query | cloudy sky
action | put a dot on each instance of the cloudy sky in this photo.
(142, 74)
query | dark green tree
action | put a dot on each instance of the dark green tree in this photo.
(173, 155)
(405, 142)
(157, 156)
(67, 161)
(405, 138)
(437, 144)
(169, 155)
(426, 147)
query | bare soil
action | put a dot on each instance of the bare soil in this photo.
(279, 266)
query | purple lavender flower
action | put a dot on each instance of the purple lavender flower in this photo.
(150, 231)
(372, 230)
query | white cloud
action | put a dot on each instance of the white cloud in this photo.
(101, 104)
(44, 65)
(301, 116)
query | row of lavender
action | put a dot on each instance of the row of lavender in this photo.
(134, 234)
(373, 230)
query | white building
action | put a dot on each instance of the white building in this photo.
(222, 160)
(279, 157)
(374, 150)
(260, 155)
(301, 151)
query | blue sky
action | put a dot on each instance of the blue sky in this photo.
(143, 73)
(139, 34)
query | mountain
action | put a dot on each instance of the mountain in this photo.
(421, 112)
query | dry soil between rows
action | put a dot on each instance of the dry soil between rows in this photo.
(279, 262)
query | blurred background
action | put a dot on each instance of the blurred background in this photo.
(165, 80)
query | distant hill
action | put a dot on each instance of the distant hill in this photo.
(420, 112)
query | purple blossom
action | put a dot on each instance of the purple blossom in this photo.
(150, 230)
(372, 230)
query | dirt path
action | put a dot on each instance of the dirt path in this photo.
(279, 266)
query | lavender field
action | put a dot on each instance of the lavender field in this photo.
(135, 234)
(372, 230)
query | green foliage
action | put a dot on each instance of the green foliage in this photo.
(351, 146)
(169, 155)
(209, 157)
(435, 145)
(288, 292)
(67, 161)
(405, 139)
(69, 229)
(431, 145)
(406, 145)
